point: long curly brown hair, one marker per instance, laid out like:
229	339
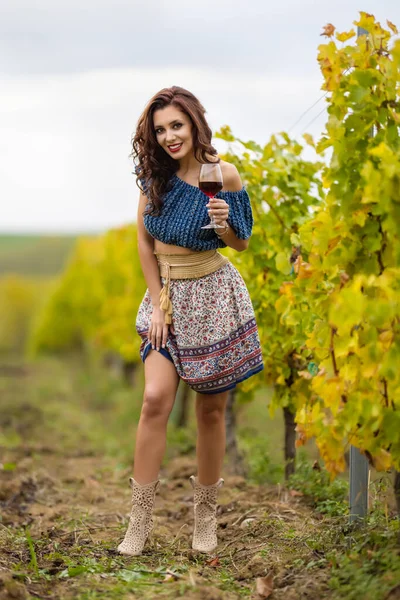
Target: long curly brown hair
154	167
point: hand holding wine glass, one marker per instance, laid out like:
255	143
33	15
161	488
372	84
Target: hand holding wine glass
210	183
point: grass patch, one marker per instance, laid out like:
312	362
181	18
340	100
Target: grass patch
258	457
370	567
328	497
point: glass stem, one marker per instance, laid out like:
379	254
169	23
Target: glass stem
212	220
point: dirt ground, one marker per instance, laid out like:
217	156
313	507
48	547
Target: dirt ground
64	510
77	507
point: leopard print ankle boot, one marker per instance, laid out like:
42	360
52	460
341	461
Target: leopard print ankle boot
141	519
205	519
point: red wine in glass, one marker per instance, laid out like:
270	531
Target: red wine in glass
211	188
210	183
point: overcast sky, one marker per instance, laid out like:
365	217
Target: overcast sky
75	76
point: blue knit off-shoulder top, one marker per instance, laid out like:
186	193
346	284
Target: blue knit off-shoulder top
184	212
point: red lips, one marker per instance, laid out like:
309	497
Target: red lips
173	149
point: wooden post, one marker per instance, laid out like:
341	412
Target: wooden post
359	469
359	482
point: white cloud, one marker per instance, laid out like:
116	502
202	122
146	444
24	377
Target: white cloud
66	140
48	36
75	77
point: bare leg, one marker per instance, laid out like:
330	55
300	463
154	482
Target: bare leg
159	396
211	439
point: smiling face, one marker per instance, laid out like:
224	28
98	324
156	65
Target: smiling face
173	129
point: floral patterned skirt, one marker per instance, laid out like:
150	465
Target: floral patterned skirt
216	343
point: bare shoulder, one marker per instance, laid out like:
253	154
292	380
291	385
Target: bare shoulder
231	177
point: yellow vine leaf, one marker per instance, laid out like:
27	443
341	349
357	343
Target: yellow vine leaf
309	139
303	269
346	35
392	27
382	460
367	22
386	337
286	289
333	243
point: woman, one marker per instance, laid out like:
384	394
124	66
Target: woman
196	319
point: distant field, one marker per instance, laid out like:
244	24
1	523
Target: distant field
34	254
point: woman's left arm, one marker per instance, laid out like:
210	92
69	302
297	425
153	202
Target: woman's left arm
220	209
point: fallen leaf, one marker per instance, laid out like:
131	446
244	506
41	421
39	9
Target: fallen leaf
214	562
329	30
265	586
247	522
171	576
295	493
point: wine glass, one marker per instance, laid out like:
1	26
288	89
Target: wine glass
210	183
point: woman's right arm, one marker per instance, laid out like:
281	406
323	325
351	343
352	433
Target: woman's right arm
158	331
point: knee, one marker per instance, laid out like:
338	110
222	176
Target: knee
210	415
155	404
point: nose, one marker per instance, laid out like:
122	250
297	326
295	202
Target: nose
170	137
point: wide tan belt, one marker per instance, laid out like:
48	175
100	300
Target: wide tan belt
185	266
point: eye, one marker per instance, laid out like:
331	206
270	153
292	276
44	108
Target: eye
178	125
159	130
